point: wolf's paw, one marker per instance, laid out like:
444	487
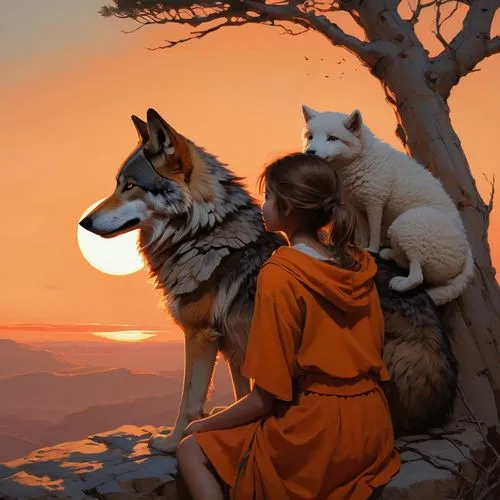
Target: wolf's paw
399	284
165	444
372	250
386	254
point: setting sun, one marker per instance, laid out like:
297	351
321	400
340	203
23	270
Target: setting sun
125	336
116	256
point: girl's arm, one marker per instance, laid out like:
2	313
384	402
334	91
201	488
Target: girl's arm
254	405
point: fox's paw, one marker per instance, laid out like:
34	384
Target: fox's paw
165	444
400	284
386	254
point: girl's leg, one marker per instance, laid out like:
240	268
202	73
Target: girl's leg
194	467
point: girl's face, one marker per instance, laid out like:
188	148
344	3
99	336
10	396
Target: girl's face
270	213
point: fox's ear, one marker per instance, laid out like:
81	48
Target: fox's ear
164	138
308	112
141	127
354	121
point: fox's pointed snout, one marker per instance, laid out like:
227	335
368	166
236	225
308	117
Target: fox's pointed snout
86	223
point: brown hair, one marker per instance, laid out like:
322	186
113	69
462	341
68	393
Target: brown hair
312	188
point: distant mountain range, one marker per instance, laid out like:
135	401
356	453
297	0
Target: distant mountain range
151	356
35	393
16	359
160	410
48	397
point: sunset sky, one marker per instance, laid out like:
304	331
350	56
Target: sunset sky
70	81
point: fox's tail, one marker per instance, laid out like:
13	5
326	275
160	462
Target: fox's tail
446	293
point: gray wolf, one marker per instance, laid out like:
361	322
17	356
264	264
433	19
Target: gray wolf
203	239
401	199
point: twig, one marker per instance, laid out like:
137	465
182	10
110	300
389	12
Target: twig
488	491
485	490
418	9
439	22
200	34
480	428
489	207
434	461
459	449
288	31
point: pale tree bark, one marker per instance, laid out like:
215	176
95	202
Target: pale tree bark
417	87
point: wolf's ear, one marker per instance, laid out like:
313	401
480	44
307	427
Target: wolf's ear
141	127
308	112
159	138
163	137
353	122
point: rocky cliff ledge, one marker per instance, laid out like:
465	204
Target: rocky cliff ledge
118	465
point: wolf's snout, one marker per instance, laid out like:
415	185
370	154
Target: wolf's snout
86	223
311	151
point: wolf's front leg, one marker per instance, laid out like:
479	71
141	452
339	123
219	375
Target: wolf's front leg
374	214
201	348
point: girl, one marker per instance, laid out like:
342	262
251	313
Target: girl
316	424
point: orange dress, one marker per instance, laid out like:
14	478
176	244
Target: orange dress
315	344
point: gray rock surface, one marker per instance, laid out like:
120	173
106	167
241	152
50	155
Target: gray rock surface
118	465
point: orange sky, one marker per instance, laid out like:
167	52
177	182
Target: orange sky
71	80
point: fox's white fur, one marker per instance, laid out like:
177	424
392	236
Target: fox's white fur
402	201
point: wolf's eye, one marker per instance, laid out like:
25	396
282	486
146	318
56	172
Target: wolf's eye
332	138
129	185
309	137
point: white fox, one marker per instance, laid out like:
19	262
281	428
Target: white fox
424	227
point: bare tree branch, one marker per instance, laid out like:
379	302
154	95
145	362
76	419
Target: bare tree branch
489	207
440	22
493	46
239	12
486	486
421	5
276	11
201	34
288	31
368	53
194	21
469	47
323	6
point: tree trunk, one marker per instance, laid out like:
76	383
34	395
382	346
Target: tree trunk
424	126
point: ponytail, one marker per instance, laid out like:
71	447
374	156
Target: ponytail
341	237
312	188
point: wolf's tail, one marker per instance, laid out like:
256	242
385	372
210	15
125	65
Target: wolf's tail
446	293
418	355
424	376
